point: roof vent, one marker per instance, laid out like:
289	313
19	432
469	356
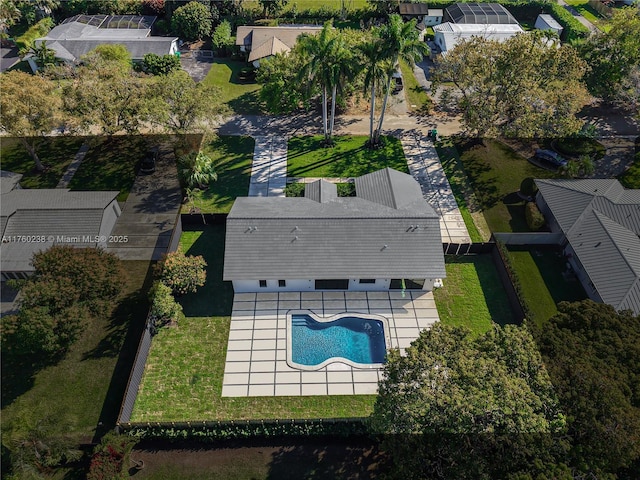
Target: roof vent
384	247
598	244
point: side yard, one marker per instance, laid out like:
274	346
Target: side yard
241	96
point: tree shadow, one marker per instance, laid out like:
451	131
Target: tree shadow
329	459
247	103
18	374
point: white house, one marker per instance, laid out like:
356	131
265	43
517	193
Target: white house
386	237
547	22
425	15
447	35
78	35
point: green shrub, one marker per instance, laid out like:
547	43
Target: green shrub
164	308
160	64
109	459
294	189
631	177
515	281
528	187
182	273
346	189
533	216
192	21
25	41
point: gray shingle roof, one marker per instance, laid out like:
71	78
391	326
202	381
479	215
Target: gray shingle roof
388	187
601	221
53	213
9	181
347	237
321	191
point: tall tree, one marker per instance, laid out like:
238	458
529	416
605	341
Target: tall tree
612	53
192	21
400	41
29	109
272	7
9	15
592	353
179	104
374	74
465	407
524	87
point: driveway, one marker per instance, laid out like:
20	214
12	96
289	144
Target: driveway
197	64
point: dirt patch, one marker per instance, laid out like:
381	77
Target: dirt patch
329	459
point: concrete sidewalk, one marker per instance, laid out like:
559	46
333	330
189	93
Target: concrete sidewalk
269	167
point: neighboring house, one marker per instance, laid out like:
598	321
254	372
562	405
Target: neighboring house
76	36
425	15
34	220
600	220
264	42
479	13
466	20
448	35
372	241
547	22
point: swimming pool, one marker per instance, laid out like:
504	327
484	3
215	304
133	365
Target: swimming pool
357	340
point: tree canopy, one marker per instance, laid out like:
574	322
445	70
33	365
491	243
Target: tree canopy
462	407
592	354
524	87
192	21
29	109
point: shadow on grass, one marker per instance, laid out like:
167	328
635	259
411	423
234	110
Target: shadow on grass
247	103
215	298
484	185
18	374
125	329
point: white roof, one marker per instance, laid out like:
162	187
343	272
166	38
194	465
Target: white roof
452	33
549	21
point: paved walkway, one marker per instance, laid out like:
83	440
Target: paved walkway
73	166
577	16
424	165
269	167
150	212
256	363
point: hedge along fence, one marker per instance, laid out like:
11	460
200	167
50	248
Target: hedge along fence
210	431
25	41
503	255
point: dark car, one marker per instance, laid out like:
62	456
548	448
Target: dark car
551	157
148	164
397	82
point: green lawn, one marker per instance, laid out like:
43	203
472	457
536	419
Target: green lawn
111	164
232	156
584	9
87	386
495	172
56	152
472	295
183	375
348	158
543	286
335	5
241	97
459	184
415	94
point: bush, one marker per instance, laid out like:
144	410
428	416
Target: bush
528	187
160	64
221	38
164	308
108	460
192	21
182	273
346	189
535	219
25	41
294	189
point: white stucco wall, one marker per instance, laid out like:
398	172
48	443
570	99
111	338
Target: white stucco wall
302	285
109	218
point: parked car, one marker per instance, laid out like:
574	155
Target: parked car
551	157
397	82
148	163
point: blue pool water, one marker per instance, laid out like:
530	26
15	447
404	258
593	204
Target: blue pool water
360	340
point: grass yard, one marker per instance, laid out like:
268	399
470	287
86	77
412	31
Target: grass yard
112	164
57	152
415	94
68	399
587	11
461	190
241	97
335	5
540	273
348	158
495	172
472	295
183	375
232	156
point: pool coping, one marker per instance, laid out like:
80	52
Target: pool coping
333	318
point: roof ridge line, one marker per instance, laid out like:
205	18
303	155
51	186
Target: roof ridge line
626	295
598	213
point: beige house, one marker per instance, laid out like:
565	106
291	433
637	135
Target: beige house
264	42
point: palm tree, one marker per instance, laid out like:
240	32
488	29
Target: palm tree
373	73
400	41
197	170
317	48
341	67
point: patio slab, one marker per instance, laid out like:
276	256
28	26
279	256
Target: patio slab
256	353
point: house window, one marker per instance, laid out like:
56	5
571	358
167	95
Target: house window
332	284
367	280
263	283
282	283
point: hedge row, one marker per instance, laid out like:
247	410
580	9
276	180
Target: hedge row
515	281
207	431
40	29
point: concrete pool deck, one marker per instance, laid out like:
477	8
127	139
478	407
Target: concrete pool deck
256	363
